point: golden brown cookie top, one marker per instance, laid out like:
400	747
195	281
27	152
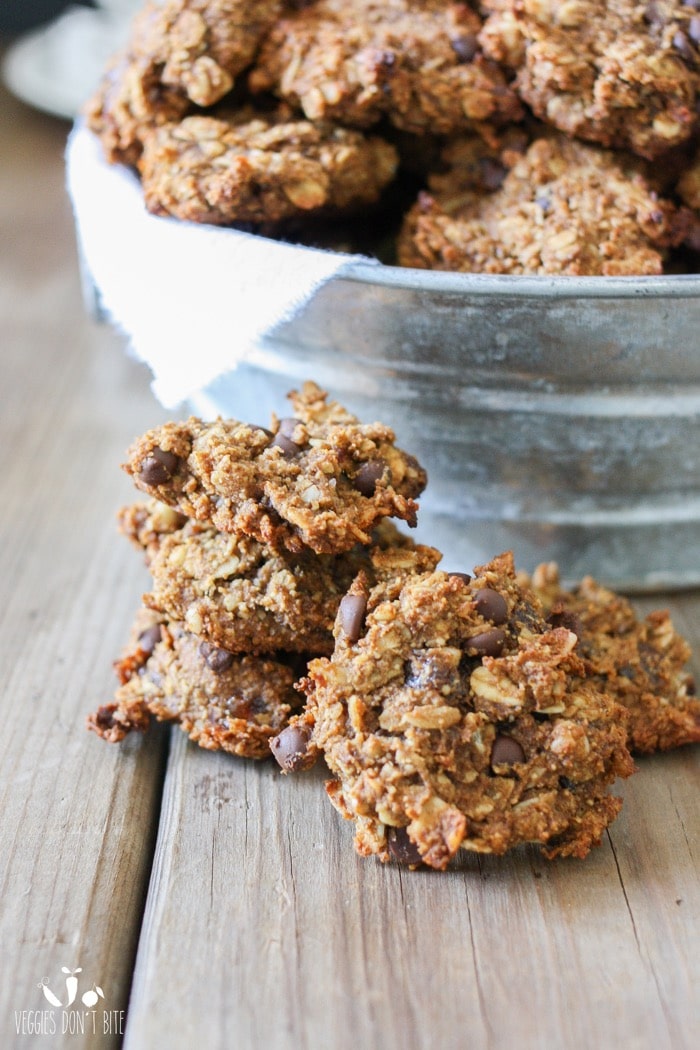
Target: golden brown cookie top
355	61
261	169
618	72
564	207
181	55
640	661
308	482
453	715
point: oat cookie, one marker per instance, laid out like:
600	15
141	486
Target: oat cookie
241	595
563	208
640	662
416	62
222	701
476	163
452	715
181	54
618	72
319	479
264	169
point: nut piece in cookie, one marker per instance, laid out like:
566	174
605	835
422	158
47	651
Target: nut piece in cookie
416	62
318	479
641	662
244	596
181	54
453	715
562	208
222	701
618	72
261	169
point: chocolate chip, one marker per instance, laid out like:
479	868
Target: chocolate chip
217	660
653	14
683	47
288	425
460	576
491	605
158	467
365	481
289	448
488	643
352	615
401	847
690	687
569	620
149	638
291	748
263	430
566	784
432	669
506	751
492	173
104	716
465	46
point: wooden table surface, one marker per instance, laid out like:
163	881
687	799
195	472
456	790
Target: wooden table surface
214	904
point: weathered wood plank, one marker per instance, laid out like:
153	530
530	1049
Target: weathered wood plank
264	929
78	817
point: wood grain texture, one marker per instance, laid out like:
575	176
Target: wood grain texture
263	928
78	817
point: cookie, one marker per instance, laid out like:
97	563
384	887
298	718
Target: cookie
453	716
356	61
181	54
640	662
476	163
241	595
319	479
261	170
617	72
563	208
222	701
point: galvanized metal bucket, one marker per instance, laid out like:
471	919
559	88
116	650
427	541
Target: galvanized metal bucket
559	417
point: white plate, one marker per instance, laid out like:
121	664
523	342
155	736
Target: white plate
56	68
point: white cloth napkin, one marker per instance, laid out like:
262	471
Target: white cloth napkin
193	300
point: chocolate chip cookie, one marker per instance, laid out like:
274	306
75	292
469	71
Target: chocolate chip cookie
618	72
241	595
417	63
452	715
264	169
317	479
640	662
182	54
221	700
563	208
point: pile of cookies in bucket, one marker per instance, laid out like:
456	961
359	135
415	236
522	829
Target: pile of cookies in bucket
290	616
499	136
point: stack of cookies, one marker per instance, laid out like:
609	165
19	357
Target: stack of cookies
454	711
517	136
252	537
